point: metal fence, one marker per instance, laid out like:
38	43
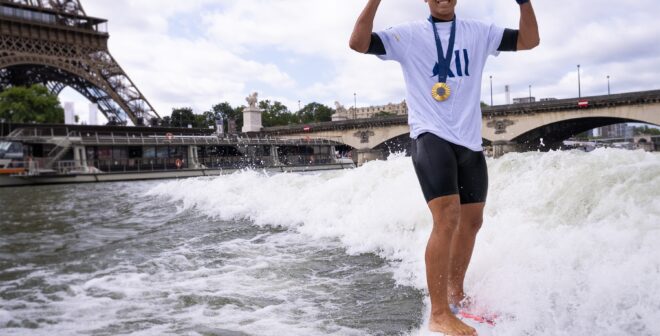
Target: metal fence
67	167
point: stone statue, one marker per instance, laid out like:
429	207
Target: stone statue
341	110
252	100
341	113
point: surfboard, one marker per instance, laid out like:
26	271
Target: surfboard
480	318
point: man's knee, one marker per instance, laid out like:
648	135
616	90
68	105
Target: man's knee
472	217
472	224
446	213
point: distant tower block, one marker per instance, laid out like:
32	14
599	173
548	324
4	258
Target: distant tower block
93	115
54	43
507	94
252	115
69	113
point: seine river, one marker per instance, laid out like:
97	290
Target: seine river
569	247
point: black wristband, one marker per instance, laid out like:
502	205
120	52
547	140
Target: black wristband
522	2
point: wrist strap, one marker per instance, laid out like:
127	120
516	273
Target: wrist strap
522	2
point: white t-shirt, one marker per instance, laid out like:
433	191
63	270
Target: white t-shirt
457	119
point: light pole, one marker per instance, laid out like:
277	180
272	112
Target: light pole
491	90
530	93
579	84
608	85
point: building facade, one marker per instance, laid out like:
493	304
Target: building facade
370	111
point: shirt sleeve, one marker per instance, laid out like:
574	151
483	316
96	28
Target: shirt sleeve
397	41
495	35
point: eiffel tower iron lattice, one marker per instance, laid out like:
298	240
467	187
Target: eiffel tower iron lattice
55	43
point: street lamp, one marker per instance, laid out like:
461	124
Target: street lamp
491	90
608	85
579	84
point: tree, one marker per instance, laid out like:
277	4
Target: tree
224	110
204	120
182	117
315	112
238	121
166	122
646	130
230	116
20	104
276	114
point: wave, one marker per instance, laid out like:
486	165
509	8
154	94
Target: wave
569	243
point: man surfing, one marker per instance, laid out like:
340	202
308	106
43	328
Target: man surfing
442	59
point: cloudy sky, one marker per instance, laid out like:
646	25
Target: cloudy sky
201	52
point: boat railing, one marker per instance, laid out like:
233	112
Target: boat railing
114	139
20	168
138	165
64	134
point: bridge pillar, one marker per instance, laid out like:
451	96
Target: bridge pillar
366	155
502	147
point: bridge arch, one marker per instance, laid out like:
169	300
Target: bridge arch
551	136
57	75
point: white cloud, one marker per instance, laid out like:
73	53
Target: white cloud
225	61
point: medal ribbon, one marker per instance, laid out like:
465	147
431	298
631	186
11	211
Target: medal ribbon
444	62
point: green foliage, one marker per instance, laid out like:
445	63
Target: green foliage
182	117
276	114
483	104
238	113
228	114
224	110
315	112
30	104
166	121
645	130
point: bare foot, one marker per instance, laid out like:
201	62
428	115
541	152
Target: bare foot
449	325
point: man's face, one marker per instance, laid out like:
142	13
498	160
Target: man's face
442	9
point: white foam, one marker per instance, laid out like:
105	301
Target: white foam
569	244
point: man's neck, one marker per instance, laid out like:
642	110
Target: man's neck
445	19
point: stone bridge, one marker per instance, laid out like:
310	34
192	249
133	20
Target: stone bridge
506	128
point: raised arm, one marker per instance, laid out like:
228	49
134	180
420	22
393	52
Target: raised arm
361	37
528	35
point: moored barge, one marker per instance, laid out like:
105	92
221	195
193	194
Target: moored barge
55	154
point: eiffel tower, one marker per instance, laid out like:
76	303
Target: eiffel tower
55	43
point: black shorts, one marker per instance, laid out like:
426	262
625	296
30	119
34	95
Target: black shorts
445	169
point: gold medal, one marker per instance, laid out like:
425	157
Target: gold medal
441	92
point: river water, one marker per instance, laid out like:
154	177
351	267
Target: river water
570	246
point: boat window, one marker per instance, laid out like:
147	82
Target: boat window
119	153
175	151
4	146
91	153
105	153
149	152
162	152
134	152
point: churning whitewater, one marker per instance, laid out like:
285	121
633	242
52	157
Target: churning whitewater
569	247
569	244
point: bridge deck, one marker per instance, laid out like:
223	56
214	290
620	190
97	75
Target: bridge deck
644	97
